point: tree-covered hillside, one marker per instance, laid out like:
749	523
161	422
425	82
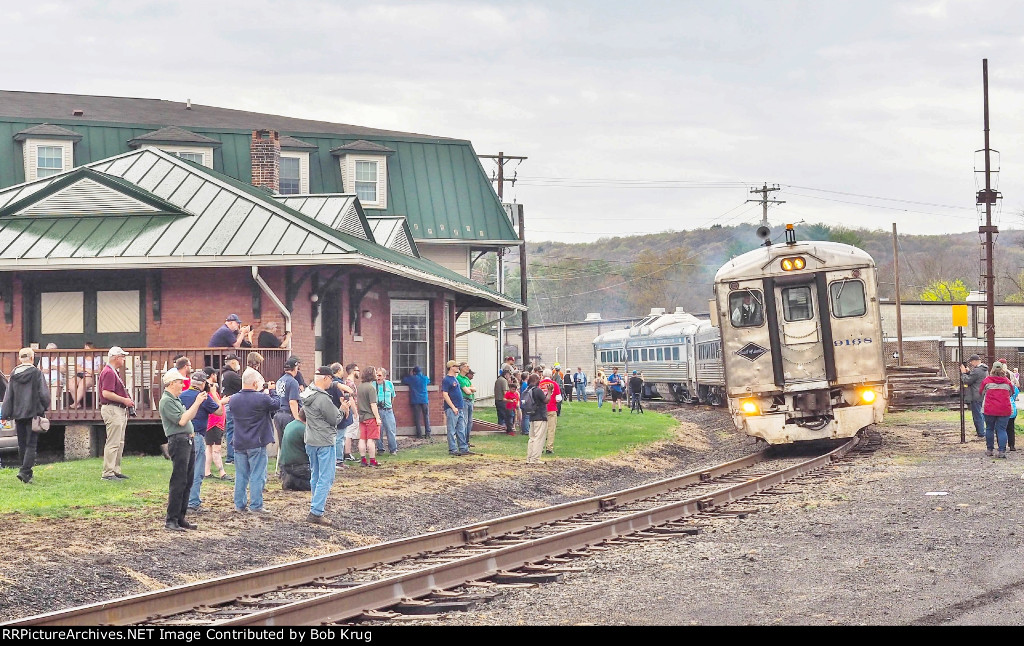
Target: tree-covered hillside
626	276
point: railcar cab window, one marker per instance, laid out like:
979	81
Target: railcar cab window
796	303
847	298
747	308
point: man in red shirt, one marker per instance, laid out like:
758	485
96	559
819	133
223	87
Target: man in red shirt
114	405
554	391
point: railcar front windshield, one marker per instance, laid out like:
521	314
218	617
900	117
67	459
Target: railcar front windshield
746	307
847	298
796	303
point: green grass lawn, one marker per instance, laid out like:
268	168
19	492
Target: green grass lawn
583	431
75	488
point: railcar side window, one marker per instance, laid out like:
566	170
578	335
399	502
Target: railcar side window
746	308
661	354
675	353
847	298
796	303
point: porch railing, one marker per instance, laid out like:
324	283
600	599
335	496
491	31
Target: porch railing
72	374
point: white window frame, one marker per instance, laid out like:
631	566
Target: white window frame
348	177
395	376
205	151
31	155
303	169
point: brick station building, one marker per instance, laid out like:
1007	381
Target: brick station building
152	248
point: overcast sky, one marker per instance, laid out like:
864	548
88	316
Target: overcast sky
636	117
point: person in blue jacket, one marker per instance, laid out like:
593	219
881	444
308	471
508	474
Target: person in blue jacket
418	399
1011	431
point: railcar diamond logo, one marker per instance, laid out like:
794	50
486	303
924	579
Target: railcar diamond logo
751	352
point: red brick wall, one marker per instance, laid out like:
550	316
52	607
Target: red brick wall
265	149
196	301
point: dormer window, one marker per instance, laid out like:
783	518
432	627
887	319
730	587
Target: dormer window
48	150
49	160
366	181
294	167
179	142
364	172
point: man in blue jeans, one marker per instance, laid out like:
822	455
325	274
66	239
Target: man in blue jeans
418	399
199	384
252	409
322	419
972	378
230	384
451	393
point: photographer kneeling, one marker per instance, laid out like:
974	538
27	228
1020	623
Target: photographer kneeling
295	471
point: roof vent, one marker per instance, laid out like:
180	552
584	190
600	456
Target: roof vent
680	310
657	311
593	316
188	104
78	112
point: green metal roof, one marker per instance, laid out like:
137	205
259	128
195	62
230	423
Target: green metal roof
438	184
195	217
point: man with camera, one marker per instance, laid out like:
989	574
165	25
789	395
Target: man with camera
972	374
252	409
232	334
200	385
115	405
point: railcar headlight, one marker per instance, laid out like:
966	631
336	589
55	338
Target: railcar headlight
867	396
749	407
794	263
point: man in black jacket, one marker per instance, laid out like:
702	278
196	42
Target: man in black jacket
230	384
27	397
972	379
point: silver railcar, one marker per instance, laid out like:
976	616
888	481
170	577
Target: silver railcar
801	340
664	348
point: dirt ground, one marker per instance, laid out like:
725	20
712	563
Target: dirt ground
49	564
865	546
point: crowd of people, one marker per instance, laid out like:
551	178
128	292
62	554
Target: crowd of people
232	414
992	396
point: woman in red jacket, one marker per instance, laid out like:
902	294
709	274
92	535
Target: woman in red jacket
996	391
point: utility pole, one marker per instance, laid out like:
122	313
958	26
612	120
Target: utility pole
899	314
988	197
764	191
502	159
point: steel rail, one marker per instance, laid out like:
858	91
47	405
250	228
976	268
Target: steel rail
149	605
355	601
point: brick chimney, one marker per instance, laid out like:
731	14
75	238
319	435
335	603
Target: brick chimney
265	151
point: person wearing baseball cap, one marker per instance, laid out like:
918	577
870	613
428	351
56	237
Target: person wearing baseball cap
114	405
177	423
972	375
451	393
322	419
289	392
232	334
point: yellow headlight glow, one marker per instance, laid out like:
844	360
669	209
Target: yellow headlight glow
796	262
749	407
867	396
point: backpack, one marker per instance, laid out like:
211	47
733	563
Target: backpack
528	403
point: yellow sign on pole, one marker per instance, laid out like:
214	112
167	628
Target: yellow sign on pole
959	316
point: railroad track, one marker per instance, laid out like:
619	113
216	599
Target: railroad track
358	582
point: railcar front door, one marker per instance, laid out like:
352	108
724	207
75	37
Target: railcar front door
801	350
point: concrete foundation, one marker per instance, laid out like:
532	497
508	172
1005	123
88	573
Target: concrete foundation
79	441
